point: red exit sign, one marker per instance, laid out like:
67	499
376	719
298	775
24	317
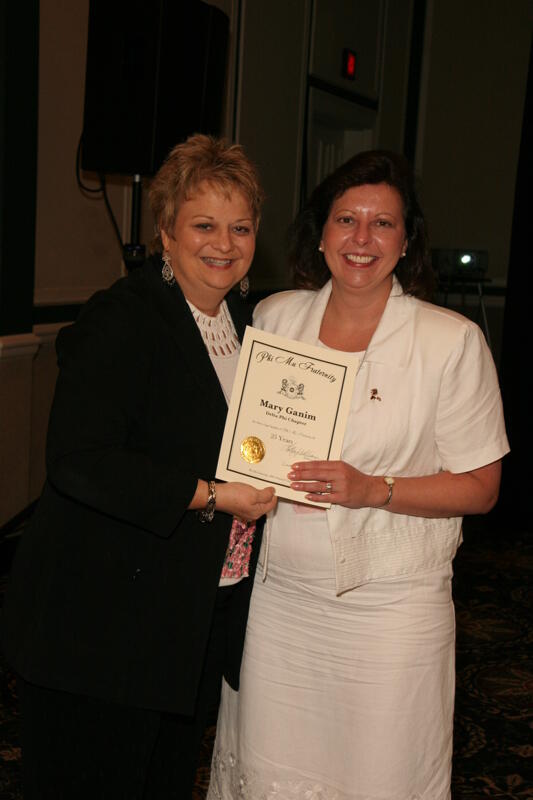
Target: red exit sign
349	62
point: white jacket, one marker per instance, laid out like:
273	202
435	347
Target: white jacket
437	407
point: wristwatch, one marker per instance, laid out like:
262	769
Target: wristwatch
390	483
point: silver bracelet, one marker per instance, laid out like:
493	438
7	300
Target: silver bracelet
207	514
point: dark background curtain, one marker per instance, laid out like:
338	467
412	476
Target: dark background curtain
517	352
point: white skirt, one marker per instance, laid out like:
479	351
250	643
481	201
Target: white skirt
341	698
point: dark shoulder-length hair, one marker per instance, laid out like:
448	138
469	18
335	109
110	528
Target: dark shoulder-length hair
309	267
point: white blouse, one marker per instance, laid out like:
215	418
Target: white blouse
222	343
223	346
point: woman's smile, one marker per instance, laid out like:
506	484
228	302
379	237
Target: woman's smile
217	263
358	260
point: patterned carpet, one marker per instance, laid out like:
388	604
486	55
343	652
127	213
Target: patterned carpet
494	699
494	708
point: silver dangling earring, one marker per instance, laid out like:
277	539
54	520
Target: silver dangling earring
166	273
244	287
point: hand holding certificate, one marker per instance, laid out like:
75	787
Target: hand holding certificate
290	402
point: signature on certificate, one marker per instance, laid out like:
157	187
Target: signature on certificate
301	452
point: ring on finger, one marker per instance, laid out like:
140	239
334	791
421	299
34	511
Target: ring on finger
329	487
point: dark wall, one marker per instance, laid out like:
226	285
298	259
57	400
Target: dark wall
19	53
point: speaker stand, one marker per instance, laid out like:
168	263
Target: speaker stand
134	253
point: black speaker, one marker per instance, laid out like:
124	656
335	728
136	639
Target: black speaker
155	74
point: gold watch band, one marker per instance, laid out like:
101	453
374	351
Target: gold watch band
390	483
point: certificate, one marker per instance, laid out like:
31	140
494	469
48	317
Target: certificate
290	402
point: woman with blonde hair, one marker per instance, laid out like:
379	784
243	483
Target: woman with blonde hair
130	588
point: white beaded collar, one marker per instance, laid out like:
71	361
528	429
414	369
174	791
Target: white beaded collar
218	333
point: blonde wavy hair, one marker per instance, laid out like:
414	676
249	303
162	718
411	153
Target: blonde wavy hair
223	165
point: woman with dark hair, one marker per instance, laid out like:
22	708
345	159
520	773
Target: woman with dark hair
347	681
130	587
310	268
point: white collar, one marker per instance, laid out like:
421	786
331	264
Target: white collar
218	333
386	346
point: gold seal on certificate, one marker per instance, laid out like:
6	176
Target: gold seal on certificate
290	402
252	449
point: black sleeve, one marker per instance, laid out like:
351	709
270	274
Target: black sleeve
94	454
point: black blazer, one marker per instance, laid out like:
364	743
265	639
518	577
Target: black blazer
114	581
